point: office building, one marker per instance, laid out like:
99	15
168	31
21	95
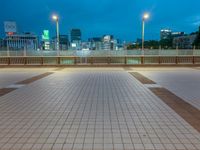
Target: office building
23	41
95	43
184	42
63	42
85	45
107	42
1	43
75	35
165	34
177	34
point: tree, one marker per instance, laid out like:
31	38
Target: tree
197	40
132	46
152	44
166	43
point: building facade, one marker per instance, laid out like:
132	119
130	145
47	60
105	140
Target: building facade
26	41
63	42
95	43
184	42
165	34
75	36
107	42
1	44
177	34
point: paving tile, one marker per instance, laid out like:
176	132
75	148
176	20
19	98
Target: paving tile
97	110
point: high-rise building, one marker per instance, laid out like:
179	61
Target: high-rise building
64	42
165	34
75	35
75	39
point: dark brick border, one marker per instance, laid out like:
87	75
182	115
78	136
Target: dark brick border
5	91
33	79
188	112
141	78
184	109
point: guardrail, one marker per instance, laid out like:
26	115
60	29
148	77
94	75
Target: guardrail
132	57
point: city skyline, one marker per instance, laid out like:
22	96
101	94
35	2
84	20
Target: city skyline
123	20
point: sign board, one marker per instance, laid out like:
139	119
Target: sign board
10	27
46	45
45	35
74	45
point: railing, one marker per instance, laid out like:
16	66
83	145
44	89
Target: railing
123	57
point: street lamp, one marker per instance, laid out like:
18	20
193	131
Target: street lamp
55	17
145	17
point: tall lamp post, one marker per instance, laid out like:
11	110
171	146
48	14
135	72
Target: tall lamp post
55	17
144	18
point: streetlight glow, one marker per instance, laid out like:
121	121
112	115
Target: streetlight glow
146	16
55	17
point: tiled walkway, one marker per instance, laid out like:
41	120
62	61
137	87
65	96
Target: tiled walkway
182	81
9	76
91	110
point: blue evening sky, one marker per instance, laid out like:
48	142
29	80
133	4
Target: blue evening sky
122	18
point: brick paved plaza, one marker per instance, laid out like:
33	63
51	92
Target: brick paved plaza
98	109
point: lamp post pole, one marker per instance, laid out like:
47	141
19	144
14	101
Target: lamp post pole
57	34
143	29
145	17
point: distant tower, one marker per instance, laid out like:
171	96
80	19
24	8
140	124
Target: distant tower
76	39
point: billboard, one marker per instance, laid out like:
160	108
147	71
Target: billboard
45	35
10	27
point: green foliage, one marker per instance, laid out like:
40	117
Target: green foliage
152	44
133	46
197	40
166	43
